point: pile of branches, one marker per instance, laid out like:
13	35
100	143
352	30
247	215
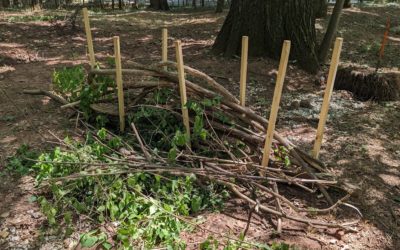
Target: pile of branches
236	168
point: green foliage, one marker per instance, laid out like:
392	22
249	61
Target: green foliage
71	82
145	206
7	118
371	48
93	238
282	154
110	61
20	163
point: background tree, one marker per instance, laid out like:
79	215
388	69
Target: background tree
347	4
159	4
220	6
331	31
268	23
5	3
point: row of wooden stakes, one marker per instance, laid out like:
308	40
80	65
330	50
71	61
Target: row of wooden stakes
243	81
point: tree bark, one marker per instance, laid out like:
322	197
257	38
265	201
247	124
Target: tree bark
347	4
159	5
120	4
268	23
321	8
331	31
220	6
6	3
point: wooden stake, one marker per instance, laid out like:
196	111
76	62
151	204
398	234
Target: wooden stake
243	70
327	97
165	46
89	37
182	87
118	79
275	102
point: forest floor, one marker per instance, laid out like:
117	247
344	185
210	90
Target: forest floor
361	143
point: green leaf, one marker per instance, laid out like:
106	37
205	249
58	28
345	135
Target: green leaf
107	245
32	199
179	139
101	208
196	203
88	240
153	209
173	152
102	133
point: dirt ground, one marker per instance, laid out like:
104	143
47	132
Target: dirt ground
361	144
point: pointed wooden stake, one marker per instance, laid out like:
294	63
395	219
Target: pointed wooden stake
243	70
165	46
182	87
118	79
275	102
327	97
89	37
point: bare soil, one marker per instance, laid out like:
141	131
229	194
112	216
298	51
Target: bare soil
361	143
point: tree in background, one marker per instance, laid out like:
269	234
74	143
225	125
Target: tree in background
220	6
321	8
269	22
159	4
331	31
5	3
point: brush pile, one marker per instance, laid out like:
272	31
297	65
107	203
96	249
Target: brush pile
226	142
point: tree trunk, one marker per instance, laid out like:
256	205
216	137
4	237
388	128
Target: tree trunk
268	23
347	4
321	8
220	6
194	4
6	3
159	5
331	31
112	4
120	4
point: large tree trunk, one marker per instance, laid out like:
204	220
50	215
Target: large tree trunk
220	6
159	4
321	8
331	31
268	23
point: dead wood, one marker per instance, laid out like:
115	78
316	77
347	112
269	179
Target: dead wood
238	172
